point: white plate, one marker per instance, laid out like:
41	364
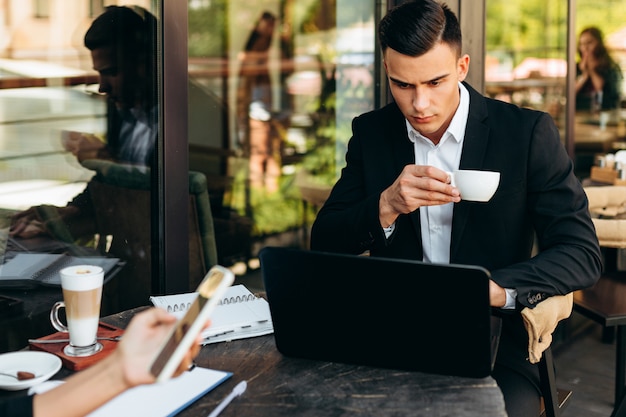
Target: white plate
43	365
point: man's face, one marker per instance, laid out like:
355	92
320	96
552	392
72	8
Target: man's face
426	87
117	79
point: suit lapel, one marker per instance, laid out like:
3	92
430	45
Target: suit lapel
403	153
472	157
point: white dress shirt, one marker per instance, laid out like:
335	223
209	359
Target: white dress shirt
436	221
137	135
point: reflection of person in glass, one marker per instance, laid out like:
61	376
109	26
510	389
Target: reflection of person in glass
122	42
254	102
599	76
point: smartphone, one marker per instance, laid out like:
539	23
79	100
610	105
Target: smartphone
184	333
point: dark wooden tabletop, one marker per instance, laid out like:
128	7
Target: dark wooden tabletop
283	386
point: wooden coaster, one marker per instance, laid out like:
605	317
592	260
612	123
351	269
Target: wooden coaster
78	363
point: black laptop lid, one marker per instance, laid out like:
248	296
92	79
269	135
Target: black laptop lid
390	313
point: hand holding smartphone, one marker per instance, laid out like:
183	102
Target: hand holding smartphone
186	330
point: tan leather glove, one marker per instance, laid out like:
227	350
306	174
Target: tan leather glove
541	321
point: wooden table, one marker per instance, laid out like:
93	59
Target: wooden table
589	137
282	386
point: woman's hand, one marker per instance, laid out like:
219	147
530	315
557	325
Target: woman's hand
141	343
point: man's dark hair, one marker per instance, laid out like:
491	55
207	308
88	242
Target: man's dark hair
415	27
130	30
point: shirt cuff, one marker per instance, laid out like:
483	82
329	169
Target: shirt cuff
389	230
511	295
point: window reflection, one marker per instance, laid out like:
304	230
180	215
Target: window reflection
256	125
280	81
525	63
267	128
79	128
527	68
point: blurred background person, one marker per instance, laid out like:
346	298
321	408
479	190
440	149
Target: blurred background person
599	77
254	106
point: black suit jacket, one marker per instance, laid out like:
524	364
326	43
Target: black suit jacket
538	193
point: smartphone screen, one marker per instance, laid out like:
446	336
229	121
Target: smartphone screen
184	333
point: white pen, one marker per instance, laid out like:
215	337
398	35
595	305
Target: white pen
239	389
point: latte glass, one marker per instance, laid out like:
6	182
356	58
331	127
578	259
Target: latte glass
82	294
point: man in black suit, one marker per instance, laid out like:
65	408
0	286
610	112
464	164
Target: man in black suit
394	197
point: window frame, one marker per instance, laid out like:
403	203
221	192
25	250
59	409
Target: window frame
170	234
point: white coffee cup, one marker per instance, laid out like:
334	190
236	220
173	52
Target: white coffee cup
82	295
475	185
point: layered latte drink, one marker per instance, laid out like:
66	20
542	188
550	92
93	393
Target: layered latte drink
82	294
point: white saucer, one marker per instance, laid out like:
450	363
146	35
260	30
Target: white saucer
43	365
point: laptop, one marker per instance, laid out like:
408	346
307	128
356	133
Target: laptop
390	313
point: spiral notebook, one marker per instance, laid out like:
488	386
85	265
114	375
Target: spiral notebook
29	270
240	314
389	313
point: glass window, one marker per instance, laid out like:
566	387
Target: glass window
600	87
526	63
273	87
78	128
526	54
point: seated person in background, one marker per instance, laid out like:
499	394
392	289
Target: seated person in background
394	197
127	366
123	45
599	77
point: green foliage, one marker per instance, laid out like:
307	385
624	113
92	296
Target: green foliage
276	212
608	15
313	21
270	212
538	28
206	27
529	28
